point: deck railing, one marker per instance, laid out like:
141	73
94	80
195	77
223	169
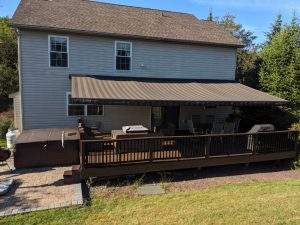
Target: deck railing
102	153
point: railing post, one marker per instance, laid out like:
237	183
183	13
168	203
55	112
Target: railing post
296	139
119	152
82	151
207	146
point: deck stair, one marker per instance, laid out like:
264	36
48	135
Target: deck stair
72	176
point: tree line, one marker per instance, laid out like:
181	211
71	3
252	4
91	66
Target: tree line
273	66
8	63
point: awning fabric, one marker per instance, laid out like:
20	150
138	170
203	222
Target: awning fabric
152	91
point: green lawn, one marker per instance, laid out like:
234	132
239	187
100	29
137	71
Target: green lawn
249	203
2	143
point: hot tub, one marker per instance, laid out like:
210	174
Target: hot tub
47	147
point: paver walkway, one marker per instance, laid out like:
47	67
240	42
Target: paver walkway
37	189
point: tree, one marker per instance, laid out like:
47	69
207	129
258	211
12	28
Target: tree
210	16
228	23
280	69
275	28
8	62
247	68
247	58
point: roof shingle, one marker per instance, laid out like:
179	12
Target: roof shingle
110	19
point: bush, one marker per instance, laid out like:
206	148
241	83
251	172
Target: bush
296	126
5	124
296	162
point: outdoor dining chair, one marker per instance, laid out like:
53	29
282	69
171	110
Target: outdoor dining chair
217	128
229	128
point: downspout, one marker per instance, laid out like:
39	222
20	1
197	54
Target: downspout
20	80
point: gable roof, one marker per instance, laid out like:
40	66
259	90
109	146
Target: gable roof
117	20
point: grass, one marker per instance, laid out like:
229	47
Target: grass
2	143
248	203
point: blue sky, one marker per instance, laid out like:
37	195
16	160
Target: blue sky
255	15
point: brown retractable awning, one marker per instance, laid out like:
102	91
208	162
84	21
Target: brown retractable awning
151	91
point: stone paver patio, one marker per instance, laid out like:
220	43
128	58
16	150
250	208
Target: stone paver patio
37	189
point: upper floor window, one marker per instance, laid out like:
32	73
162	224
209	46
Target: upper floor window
123	55
59	51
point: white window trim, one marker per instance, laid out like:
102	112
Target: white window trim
115	60
67	98
49	51
85	107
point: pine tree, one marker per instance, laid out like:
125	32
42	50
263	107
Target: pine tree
280	68
210	16
275	28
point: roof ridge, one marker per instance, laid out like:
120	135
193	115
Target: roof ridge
102	18
139	7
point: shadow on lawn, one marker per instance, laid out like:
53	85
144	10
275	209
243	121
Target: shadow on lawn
193	174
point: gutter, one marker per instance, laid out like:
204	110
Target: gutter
95	33
20	79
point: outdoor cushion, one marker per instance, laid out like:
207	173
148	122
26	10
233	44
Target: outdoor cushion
5	186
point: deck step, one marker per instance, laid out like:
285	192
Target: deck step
76	167
71	177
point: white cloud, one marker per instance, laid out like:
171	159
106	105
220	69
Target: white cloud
278	5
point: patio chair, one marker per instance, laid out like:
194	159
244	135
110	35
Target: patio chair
229	127
93	132
217	128
4	156
195	125
237	124
233	119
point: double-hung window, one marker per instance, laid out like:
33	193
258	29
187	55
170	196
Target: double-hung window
75	109
123	55
79	109
58	51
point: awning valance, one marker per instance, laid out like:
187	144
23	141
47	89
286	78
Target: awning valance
147	91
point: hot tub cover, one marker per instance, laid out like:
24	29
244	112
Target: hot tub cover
48	134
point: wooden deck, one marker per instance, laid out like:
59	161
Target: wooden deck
140	155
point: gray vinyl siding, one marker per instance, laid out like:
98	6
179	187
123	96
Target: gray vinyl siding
44	88
117	116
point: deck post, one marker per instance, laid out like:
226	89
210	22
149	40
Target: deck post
296	140
82	151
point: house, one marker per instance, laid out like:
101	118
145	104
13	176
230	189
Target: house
118	65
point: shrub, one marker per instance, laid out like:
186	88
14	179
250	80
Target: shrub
296	162
5	124
296	126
